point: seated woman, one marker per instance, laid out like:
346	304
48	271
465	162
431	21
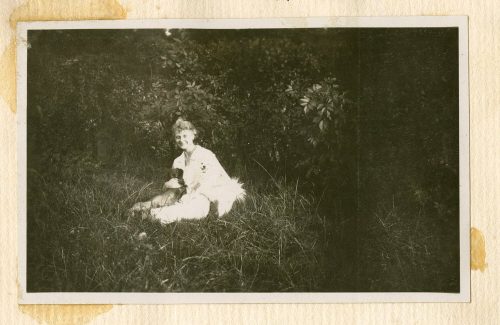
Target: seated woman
205	179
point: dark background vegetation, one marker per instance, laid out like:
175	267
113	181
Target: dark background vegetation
346	140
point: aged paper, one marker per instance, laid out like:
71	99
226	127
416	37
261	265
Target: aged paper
484	119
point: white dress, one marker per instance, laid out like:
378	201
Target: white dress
206	181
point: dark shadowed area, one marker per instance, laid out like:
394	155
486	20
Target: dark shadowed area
346	141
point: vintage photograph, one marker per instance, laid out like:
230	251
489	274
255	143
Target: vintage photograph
204	159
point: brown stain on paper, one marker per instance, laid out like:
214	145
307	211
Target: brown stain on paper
477	250
46	10
8	74
64	314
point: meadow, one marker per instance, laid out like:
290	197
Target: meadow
273	241
81	239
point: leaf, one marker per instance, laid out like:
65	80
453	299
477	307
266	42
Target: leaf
304	101
313	141
323	125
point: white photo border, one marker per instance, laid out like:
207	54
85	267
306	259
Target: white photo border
461	22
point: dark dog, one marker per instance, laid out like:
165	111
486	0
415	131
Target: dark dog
174	188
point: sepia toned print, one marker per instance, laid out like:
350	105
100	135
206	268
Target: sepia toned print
339	148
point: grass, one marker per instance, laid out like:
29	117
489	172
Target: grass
413	248
81	239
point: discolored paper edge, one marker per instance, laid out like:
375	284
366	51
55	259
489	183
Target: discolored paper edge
459	22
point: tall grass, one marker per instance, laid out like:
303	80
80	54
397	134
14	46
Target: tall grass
414	249
81	239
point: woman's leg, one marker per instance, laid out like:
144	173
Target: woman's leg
191	206
169	197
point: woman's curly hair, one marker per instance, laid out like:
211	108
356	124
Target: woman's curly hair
181	125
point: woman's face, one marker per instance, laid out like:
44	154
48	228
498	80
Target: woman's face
184	139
